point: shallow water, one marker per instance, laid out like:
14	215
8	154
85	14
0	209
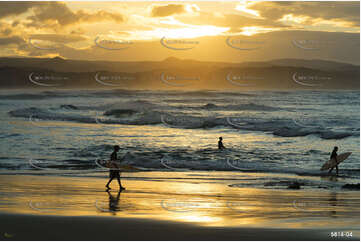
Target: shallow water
265	132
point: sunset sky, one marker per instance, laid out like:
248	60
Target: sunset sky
68	29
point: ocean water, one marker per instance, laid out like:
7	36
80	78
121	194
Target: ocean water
265	132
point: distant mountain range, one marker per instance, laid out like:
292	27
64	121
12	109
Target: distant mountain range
174	73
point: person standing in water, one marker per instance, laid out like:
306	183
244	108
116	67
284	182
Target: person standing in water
114	171
334	156
220	144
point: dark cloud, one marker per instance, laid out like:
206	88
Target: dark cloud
339	11
12	40
15	8
167	10
57	14
54	14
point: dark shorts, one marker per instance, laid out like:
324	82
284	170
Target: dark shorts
114	174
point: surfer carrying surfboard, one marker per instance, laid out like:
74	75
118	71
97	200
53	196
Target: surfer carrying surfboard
334	156
335	160
114	171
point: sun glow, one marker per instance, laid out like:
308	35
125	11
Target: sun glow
180	33
249	31
290	18
243	7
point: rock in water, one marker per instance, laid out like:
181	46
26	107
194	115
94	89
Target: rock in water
352	186
294	185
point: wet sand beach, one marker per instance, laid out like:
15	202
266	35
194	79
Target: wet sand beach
79	208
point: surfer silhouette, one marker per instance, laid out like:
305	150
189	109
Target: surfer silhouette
114	171
334	156
220	144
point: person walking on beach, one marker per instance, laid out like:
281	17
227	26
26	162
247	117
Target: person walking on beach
220	144
334	155
114	171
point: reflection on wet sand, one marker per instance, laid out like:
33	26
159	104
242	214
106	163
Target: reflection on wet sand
113	204
114	201
206	204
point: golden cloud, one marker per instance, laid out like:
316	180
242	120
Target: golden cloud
168	10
